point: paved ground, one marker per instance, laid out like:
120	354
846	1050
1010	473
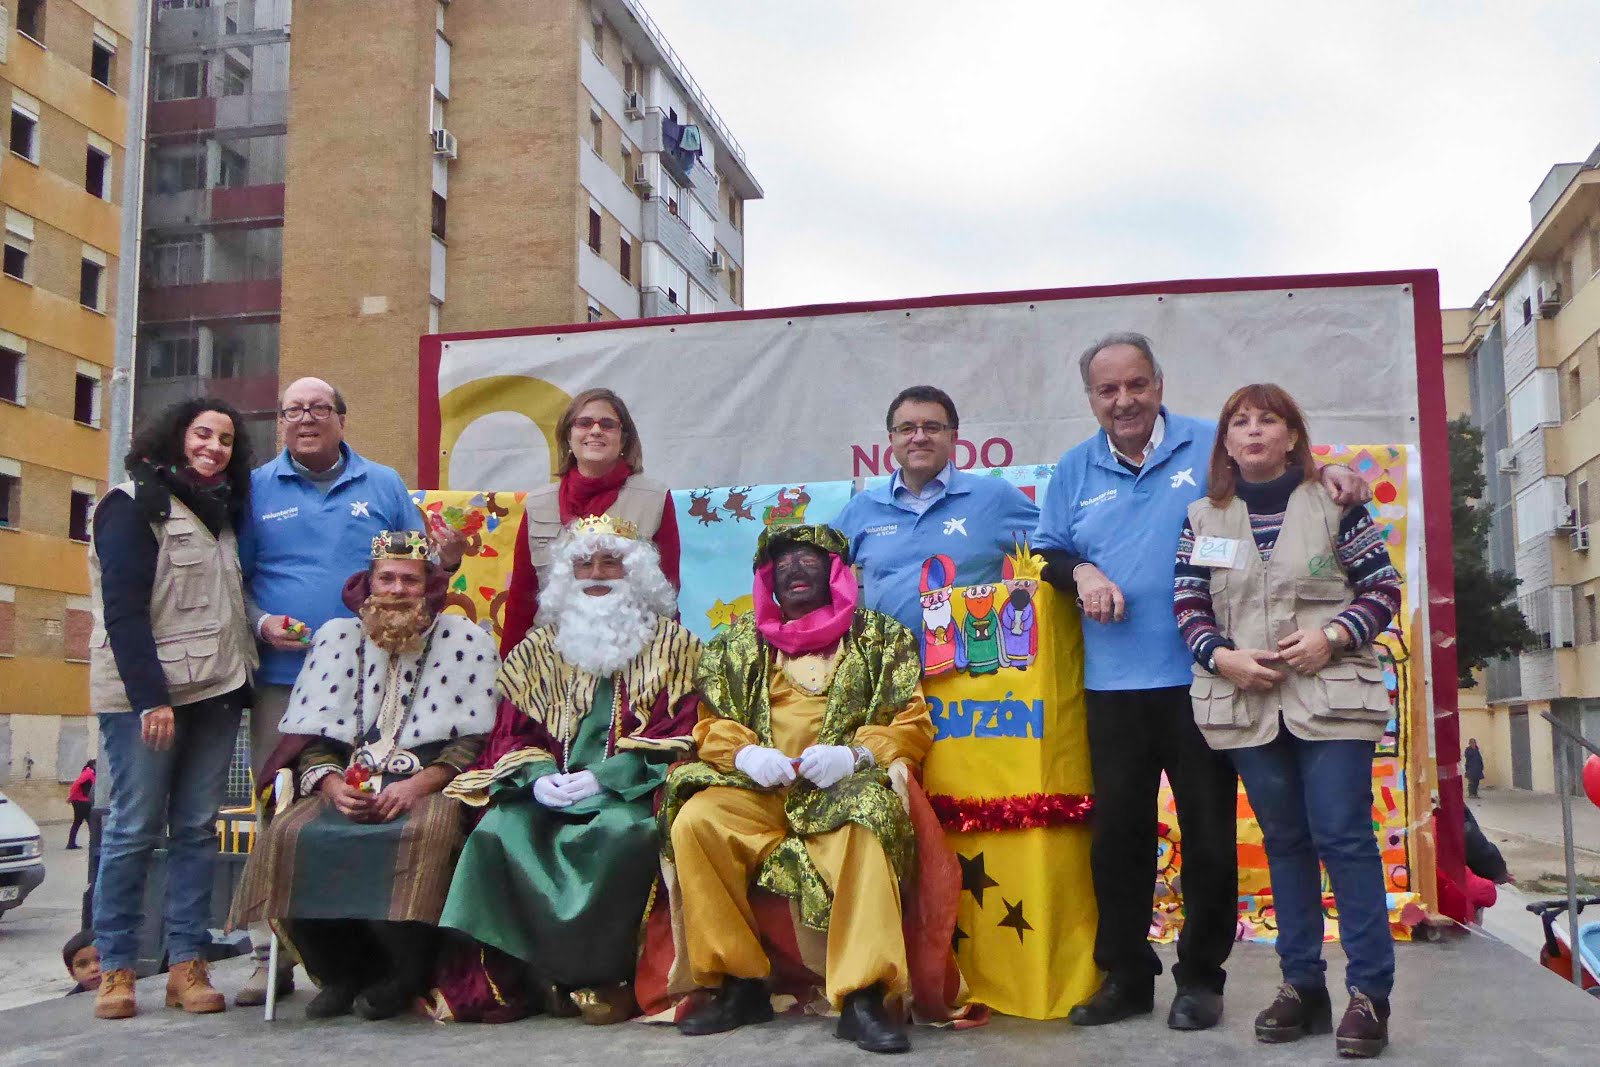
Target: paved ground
1461	1002
31	936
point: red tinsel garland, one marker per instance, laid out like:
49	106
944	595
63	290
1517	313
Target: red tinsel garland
1029	812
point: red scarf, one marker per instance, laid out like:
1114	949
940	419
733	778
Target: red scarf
816	631
580	496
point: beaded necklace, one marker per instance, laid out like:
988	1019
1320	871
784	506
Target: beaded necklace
406	704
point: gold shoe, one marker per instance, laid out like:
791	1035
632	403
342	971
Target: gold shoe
189	987
607	1004
114	999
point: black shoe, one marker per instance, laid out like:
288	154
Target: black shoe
740	1002
1195	1008
334	999
1113	1002
1293	1014
1364	1031
382	1001
71	847
864	1020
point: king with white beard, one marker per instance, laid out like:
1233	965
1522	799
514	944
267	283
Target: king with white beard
598	702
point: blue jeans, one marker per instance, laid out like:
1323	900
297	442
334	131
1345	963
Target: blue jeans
1313	800
177	792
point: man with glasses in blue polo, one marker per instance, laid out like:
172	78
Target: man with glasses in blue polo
932	526
314	510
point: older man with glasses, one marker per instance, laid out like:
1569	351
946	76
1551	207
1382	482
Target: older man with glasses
932	526
314	510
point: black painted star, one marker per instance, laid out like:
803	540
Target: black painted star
1014	918
956	939
974	879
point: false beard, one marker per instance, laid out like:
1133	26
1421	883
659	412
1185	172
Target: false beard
600	635
395	623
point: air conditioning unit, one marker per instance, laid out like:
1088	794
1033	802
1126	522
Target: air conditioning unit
642	179
635	106
445	144
717	261
1549	298
1505	461
1566	518
1579	539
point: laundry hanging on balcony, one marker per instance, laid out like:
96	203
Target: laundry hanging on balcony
682	145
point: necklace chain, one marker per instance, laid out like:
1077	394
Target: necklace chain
361	691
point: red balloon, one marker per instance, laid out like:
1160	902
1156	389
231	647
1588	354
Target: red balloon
1591	779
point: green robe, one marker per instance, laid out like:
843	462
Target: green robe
562	889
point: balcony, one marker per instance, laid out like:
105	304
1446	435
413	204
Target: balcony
252	394
653	304
248	115
201	301
244	206
221	25
672	233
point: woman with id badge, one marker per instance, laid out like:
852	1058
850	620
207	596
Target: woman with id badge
1279	596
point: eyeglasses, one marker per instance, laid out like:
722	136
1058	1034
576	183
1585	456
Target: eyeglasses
318	413
584	422
932	429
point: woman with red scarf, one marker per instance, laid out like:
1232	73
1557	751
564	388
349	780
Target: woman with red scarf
601	462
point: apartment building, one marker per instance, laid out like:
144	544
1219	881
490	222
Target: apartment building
211	233
64	82
469	166
1528	356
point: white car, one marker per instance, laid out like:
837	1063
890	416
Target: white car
21	855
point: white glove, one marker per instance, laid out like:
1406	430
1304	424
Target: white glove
581	785
766	766
827	764
549	792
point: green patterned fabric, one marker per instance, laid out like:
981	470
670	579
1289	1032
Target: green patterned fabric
826	538
877	672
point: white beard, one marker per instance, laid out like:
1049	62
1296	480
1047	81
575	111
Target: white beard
935	618
600	635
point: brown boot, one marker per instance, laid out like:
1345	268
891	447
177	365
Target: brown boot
189	987
114	999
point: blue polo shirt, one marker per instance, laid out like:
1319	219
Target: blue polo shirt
301	545
1128	525
976	521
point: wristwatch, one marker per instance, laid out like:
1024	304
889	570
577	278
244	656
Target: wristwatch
1337	637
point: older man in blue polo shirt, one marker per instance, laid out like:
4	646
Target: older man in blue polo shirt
930	511
1110	527
314	511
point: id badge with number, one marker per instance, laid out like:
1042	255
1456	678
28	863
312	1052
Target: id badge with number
1220	552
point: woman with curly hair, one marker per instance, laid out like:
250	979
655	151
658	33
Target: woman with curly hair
170	659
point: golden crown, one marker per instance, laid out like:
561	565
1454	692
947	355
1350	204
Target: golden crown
403	544
1023	564
604	526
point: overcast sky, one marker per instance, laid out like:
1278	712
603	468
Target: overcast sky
910	147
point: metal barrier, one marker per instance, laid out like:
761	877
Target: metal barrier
1568	740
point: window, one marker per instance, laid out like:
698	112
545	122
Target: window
1539	507
1581	498
596	134
173	357
629	74
19	243
78	516
30	19
182	80
180	171
24	132
595	314
11	371
235	77
176	260
733	286
97	173
100	56
627	164
233	169
439	204
594	229
1574	391
90	277
10	493
672	297
1593	617
86	399
1534	403
625	257
1527	310
599	39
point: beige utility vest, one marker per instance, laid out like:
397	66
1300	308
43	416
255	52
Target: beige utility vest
640	501
1257	603
196	613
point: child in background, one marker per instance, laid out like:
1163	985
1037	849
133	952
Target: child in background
83	962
